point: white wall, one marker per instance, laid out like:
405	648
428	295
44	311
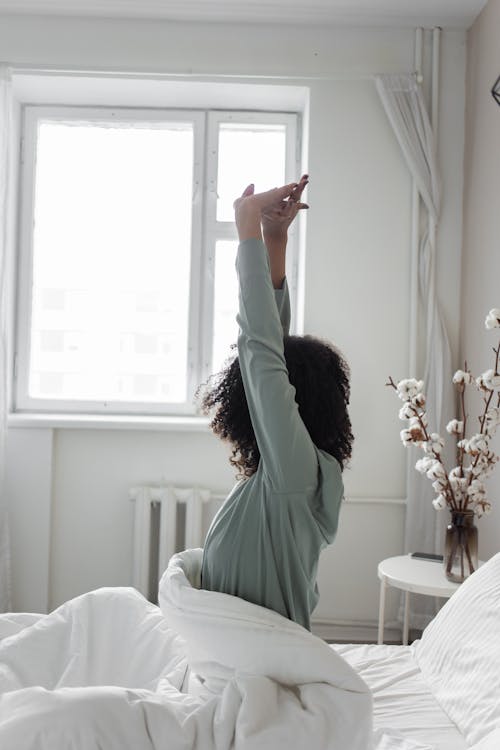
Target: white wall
356	289
481	255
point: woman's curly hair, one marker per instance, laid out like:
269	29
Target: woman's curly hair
320	376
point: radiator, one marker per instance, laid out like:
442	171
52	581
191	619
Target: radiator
167	520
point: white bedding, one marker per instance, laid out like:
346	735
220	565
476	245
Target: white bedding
108	670
402	699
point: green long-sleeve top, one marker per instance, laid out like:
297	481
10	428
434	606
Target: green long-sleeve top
264	543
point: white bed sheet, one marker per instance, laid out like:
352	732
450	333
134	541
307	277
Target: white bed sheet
402	700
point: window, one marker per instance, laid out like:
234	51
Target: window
127	286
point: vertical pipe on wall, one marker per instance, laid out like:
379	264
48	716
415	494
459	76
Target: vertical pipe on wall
434	117
415	237
436	39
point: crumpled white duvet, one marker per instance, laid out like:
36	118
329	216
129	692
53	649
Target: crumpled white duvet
109	670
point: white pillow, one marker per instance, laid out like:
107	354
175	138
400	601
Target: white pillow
491	742
459	654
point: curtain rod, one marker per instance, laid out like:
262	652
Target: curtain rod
30	69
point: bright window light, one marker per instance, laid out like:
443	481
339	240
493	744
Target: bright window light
111	261
249	152
225	303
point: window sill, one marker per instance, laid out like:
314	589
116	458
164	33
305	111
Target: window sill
108	422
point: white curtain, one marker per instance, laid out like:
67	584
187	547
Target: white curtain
5	155
404	104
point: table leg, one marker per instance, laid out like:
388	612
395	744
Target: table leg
406	618
381	611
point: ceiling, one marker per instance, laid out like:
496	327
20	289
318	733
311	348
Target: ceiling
458	14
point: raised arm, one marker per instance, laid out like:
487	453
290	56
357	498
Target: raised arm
287	452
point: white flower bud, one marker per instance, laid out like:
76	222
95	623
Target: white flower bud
437	442
406	437
408	388
439	485
424	464
455	427
477	444
491	380
406	411
418	400
436	471
458	484
476	489
462	378
488	381
439	502
493	319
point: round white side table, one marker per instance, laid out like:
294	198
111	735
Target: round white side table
411	575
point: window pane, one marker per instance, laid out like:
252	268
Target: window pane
248	153
225	303
111	259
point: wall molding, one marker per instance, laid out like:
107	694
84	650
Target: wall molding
375	500
388	14
355	631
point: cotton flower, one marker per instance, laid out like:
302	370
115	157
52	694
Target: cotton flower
493	319
439	485
406	437
435	443
436	471
491	379
414	433
415	427
455	427
418	400
488	381
462	378
491	421
458	484
408	388
484	464
487	463
439	502
424	464
476	489
476	444
406	411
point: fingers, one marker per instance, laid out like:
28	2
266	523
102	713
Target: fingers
289	195
249	190
302	184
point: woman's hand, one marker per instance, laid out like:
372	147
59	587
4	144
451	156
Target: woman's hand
250	207
277	219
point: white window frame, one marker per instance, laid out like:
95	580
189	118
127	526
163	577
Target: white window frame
206	230
226	230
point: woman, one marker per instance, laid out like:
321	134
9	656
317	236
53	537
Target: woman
282	404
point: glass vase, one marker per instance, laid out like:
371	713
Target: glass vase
460	551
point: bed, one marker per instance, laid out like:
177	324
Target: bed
110	671
444	690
